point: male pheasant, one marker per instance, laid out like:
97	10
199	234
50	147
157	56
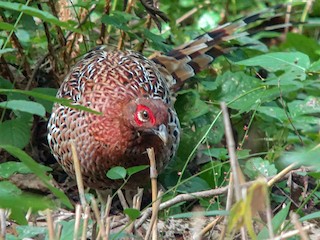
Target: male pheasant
134	95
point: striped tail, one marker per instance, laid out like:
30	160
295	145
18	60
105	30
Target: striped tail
188	59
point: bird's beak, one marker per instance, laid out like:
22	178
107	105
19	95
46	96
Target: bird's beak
162	133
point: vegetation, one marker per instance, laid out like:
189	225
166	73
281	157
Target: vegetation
270	84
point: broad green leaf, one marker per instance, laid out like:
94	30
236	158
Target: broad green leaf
4	83
23	36
242	90
256	167
31	231
315	67
6	26
309	105
190	106
24	106
118	19
156	41
303	156
277	221
311	216
274	112
193	185
136	169
301	43
116	173
9	168
43	15
19	203
38	170
68	229
132	213
215	173
294	64
8	188
219	153
16	132
243	154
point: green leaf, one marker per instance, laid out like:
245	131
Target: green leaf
190	106
68	229
219	153
9	168
256	167
47	91
19	203
4	83
116	173
315	67
274	112
302	44
136	169
208	20
31	231
294	64
62	101
118	20
193	185
216	176
43	15
310	216
24	106
304	156
245	89
157	41
6	50
309	105
277	221
38	170
132	213
6	26
15	132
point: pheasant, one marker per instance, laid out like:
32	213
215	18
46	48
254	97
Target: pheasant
134	95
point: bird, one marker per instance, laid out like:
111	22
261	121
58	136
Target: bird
135	96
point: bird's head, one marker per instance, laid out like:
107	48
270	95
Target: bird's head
148	116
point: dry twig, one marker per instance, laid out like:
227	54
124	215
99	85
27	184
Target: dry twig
77	222
50	225
154	188
86	217
228	207
78	174
2	224
295	220
102	231
237	174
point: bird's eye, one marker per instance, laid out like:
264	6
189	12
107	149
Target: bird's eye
143	116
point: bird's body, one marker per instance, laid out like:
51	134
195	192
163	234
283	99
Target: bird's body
133	94
120	85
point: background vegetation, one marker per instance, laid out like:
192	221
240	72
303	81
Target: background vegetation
271	85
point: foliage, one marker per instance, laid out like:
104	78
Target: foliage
272	91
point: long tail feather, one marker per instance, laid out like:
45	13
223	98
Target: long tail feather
188	59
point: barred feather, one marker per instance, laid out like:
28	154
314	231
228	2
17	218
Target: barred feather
185	61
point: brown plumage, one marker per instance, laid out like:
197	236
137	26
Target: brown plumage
133	94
